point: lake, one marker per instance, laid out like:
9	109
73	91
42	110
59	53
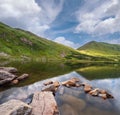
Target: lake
71	101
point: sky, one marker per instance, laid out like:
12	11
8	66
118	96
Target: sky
69	22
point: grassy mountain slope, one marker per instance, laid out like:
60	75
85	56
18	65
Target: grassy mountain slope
101	49
20	43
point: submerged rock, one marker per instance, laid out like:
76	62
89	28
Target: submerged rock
15	107
74	102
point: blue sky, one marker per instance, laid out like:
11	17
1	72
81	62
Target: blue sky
69	22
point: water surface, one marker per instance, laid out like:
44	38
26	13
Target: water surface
71	101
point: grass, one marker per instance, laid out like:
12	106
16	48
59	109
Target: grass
22	44
101	49
17	44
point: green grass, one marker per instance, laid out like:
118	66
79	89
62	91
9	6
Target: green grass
101	49
18	43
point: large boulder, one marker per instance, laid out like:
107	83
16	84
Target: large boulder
15	107
44	103
9	69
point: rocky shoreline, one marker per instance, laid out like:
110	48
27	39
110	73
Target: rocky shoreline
43	102
8	75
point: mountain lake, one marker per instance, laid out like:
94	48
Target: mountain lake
71	101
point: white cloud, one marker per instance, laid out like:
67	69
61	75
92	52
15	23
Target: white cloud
64	41
27	14
113	41
17	9
99	17
50	9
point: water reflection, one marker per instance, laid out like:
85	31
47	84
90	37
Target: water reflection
112	85
73	101
23	92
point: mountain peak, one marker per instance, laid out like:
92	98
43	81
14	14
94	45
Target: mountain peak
100	49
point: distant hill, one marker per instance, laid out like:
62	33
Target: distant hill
17	43
101	49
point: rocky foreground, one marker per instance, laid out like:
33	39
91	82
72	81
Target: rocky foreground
43	102
8	75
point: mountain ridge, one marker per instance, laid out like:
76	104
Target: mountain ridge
21	44
101	49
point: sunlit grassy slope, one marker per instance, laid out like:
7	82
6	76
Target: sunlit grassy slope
23	44
101	49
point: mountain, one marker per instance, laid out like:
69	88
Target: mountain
101	49
21	44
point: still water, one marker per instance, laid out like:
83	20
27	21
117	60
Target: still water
71	101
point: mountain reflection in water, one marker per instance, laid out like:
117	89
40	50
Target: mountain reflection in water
73	101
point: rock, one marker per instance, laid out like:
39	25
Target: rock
9	69
2	82
5	75
105	95
48	83
87	87
44	103
56	84
102	91
51	88
75	79
15	82
94	92
70	83
15	107
23	76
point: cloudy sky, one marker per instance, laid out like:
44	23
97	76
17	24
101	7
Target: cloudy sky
70	22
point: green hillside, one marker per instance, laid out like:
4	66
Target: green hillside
101	49
21	44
